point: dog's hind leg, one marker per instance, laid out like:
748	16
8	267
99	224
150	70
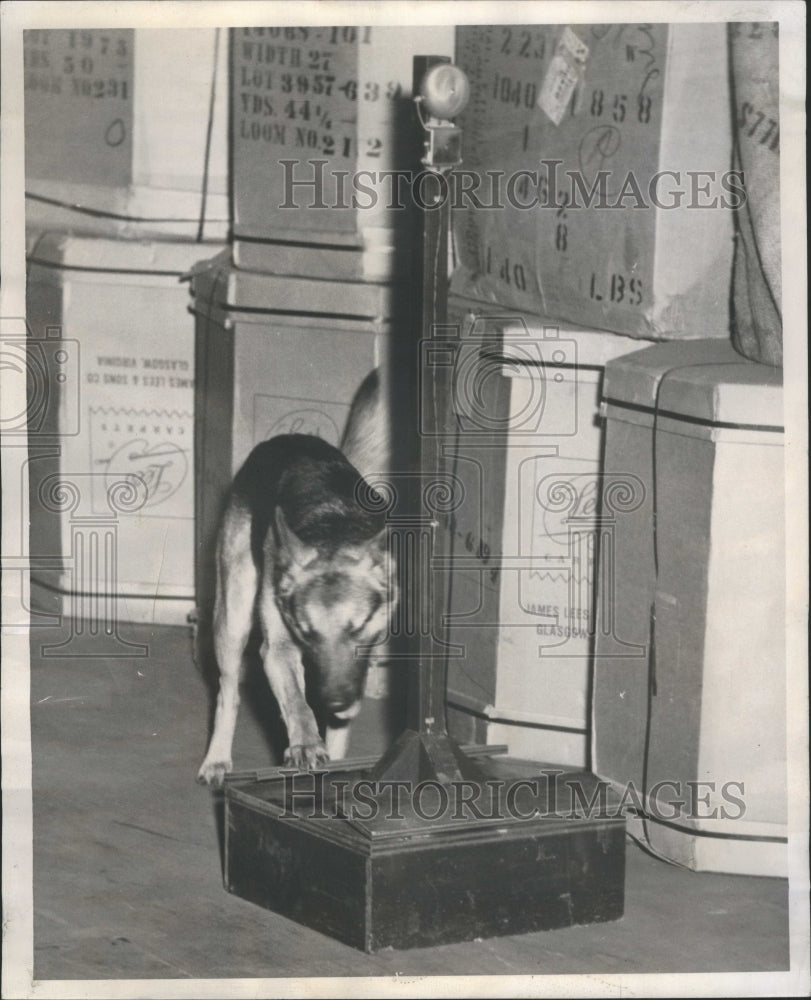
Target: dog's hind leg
285	673
234	602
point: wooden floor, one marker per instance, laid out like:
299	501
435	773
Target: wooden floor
127	873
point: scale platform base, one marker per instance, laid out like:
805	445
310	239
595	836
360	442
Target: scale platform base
415	879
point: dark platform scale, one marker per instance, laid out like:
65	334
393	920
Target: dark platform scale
544	854
415	882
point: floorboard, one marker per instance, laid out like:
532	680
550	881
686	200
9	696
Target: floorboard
127	870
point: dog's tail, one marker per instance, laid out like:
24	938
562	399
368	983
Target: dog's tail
367	436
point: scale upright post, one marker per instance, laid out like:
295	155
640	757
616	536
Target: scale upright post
425	750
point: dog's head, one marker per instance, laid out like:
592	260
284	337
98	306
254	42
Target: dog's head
337	606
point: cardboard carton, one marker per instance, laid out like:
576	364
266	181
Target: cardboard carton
528	452
327	106
274	355
611	202
117	131
111	421
690	674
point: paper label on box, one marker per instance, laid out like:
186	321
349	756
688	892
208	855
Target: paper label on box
564	73
78	105
152	451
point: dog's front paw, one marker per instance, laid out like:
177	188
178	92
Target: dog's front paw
306	756
213	772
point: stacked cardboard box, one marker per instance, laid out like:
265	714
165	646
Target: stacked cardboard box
608	149
275	355
125	181
123	136
111	424
318	115
527	452
690	670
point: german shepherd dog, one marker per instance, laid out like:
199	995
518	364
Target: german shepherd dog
297	549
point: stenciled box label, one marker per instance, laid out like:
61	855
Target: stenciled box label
318	115
550	246
79	105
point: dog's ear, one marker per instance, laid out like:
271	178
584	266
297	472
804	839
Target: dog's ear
378	544
384	566
299	551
